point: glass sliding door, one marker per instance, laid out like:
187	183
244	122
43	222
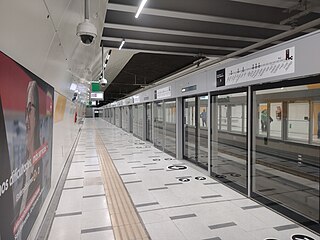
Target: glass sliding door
195	130
189	129
170	127
149	122
202	131
140	121
135	120
125	118
229	139
130	119
158	125
286	158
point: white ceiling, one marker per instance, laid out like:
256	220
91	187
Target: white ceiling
41	36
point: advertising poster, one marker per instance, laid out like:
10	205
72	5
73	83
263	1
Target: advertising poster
26	122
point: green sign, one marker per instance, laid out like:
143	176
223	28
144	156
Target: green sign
95	87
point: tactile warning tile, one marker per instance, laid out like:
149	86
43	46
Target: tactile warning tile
126	222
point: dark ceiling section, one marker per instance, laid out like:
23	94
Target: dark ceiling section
143	69
193	28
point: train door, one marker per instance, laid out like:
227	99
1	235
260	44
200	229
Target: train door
229	138
149	122
158	125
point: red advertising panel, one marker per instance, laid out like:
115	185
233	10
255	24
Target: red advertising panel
26	122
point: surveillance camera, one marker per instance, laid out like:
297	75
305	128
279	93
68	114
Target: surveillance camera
87	32
103	82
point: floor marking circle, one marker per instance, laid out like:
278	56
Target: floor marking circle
184	179
177	167
200	178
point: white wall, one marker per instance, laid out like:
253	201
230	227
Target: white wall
64	135
41	36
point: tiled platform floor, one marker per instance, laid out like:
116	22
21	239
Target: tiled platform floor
173	204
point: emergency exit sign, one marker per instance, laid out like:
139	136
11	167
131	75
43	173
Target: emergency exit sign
95	87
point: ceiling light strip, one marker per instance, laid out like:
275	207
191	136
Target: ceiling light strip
122	43
140	8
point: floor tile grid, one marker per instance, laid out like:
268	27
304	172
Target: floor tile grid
84	217
242	209
125	221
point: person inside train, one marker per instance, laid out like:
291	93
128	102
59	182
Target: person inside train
203	116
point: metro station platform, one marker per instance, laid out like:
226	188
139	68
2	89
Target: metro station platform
119	187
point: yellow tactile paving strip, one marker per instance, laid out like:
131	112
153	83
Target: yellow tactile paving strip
126	223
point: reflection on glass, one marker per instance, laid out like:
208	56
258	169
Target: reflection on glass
263	118
140	121
118	119
149	122
125	119
298	121
286	165
236	118
276	123
158	124
229	142
170	127
316	122
223	117
202	152
189	150
135	120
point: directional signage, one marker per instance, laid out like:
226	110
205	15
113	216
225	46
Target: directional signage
301	237
200	178
177	167
295	237
271	65
184	179
163	92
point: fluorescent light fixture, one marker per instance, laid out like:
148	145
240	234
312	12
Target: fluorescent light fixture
122	43
143	2
108	55
73	87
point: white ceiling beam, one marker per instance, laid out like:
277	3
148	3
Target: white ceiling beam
170	44
281	3
197	17
178	32
166	52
